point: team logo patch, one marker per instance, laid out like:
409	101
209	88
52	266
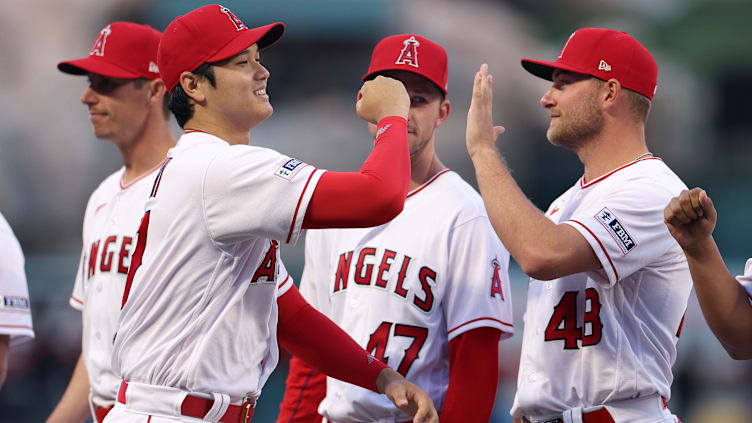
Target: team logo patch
409	54
496	279
290	169
616	230
15	303
239	25
98	48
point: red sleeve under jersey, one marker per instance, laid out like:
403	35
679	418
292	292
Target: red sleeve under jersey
304	391
473	376
314	338
372	196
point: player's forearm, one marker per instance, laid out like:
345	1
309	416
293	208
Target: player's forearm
530	237
473	376
372	196
74	405
724	302
305	388
320	343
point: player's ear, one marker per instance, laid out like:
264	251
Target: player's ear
444	108
611	91
191	86
157	90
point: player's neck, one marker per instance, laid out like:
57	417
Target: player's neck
424	165
147	150
220	126
612	149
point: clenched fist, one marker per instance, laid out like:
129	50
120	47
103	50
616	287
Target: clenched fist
382	97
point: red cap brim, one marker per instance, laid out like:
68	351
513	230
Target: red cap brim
264	36
545	70
97	66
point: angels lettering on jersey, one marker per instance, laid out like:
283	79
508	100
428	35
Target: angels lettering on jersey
110	254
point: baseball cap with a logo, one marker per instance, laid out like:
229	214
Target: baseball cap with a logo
121	50
206	35
604	54
412	53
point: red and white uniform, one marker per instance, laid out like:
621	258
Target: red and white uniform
15	308
746	278
111	219
404	289
210	262
607	336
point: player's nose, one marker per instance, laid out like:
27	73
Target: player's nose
89	96
547	100
262	72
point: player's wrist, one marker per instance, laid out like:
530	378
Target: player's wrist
391	118
387	376
700	250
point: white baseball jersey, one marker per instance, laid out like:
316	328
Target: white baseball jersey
610	334
200	313
404	289
110	223
746	279
15	308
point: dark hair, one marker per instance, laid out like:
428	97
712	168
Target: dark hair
139	82
639	105
180	103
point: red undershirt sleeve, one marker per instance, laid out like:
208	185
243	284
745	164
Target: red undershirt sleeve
473	376
372	196
315	339
304	391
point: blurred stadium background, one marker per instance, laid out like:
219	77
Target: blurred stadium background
50	161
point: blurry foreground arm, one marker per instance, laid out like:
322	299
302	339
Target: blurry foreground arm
690	218
473	376
4	347
543	249
305	388
74	405
311	336
376	193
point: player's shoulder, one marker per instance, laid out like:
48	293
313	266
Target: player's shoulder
649	175
453	194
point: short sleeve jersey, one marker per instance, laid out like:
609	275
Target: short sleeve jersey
15	307
404	289
746	278
200	312
110	223
608	334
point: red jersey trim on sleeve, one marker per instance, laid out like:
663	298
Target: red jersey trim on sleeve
17	327
297	207
76	300
616	274
282	285
480	318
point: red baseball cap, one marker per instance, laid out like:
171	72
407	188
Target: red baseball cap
121	50
604	54
208	34
412	53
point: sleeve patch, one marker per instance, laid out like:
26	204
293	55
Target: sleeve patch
289	169
14	303
618	232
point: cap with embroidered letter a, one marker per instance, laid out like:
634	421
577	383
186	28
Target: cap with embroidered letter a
604	54
206	35
411	53
121	50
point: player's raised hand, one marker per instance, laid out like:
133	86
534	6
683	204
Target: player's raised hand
382	97
690	217
481	132
407	396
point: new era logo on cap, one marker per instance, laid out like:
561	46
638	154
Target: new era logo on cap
604	54
411	53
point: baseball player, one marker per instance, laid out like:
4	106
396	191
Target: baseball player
609	286
427	293
727	306
15	309
207	294
127	106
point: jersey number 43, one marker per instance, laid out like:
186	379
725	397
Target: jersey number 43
563	323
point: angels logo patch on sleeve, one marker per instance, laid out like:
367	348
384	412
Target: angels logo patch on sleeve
289	169
617	231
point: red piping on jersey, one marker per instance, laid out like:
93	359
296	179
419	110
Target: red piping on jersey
584	184
285	281
599	243
300	200
76	299
417	190
17	326
126	186
480	318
